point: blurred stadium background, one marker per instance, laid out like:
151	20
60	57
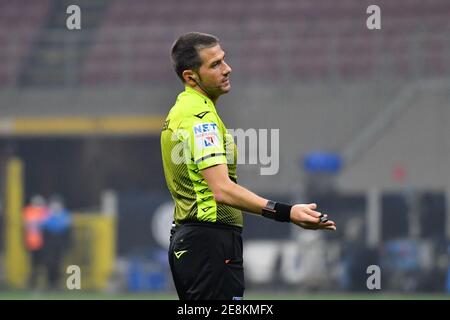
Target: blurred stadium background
364	119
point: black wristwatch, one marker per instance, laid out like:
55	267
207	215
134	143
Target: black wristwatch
269	210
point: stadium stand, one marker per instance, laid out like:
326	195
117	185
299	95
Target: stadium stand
302	40
20	23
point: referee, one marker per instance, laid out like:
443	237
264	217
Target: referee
199	160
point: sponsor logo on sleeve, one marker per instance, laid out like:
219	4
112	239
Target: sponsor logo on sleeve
206	135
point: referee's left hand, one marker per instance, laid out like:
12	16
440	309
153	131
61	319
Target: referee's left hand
305	216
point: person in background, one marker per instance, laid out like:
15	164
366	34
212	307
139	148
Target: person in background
34	216
57	238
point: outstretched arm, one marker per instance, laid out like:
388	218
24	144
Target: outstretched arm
227	192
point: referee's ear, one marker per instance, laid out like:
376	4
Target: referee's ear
189	77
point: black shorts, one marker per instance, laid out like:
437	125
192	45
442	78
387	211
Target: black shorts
206	262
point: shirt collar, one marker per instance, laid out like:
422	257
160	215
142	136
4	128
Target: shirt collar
191	90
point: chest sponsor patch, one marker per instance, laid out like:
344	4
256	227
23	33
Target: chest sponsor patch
206	135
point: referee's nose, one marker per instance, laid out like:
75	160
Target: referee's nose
227	69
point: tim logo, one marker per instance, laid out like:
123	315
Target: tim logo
209	141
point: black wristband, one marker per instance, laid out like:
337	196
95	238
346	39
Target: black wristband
283	212
277	211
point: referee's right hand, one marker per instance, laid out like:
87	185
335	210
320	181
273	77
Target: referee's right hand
305	216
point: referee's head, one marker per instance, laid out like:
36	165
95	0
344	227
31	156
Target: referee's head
199	62
185	51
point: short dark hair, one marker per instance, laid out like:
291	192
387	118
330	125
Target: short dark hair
185	51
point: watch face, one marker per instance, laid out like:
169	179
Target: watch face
270	205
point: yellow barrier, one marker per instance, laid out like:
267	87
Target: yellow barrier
64	126
93	249
16	258
94	239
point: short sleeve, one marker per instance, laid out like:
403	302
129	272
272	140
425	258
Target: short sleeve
205	141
